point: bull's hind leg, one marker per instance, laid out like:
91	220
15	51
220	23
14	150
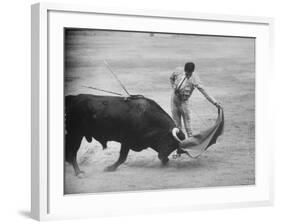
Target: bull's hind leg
73	142
122	158
79	173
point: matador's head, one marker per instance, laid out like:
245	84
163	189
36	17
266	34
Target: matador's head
189	68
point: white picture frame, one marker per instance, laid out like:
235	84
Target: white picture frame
48	201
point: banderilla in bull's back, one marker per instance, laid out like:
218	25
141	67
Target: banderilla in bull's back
118	94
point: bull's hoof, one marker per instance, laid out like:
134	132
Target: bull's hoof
110	168
80	174
164	161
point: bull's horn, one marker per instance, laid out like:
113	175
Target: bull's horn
174	132
186	143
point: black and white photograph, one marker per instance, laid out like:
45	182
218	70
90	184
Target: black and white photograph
157	111
144	111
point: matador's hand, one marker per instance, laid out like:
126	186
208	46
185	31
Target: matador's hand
218	105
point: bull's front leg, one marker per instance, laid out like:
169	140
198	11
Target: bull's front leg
122	158
164	159
163	154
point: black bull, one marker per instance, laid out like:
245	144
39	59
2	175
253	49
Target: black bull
136	122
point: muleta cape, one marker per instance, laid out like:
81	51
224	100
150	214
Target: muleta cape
204	139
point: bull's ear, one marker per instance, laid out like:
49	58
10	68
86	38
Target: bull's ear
181	135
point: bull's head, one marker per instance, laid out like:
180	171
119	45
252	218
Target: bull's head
178	135
183	143
169	143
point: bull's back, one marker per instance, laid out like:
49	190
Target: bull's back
115	107
117	110
111	115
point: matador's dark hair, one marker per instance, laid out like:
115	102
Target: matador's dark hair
189	67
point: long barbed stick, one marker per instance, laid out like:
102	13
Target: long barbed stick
115	76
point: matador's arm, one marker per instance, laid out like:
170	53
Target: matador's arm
173	79
205	93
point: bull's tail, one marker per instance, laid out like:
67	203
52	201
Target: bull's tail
68	100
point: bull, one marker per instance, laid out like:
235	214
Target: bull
136	122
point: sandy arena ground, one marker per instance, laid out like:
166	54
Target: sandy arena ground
144	63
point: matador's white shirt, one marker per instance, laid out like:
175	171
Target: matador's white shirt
185	86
